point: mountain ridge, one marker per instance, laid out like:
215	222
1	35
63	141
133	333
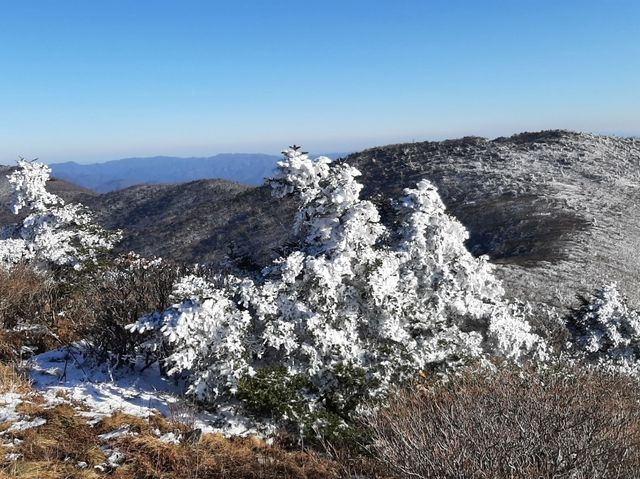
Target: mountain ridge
557	212
245	168
117	174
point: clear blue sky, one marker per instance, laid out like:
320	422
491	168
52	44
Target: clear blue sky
92	80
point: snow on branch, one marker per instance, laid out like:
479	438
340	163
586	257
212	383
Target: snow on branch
53	233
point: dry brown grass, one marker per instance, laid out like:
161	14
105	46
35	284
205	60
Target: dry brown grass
13	381
54	449
216	456
66	435
139	425
47	470
33	406
513	424
24	294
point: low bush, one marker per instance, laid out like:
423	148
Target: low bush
25	296
29	306
513	423
117	295
605	329
43	310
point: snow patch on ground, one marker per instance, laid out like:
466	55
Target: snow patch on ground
170	438
70	374
25	424
8	404
120	432
8	413
102	391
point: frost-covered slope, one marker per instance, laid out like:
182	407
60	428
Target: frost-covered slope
559	211
198	221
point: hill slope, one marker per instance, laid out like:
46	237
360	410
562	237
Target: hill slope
558	212
196	221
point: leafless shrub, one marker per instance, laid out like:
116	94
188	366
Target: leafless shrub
561	423
29	302
24	296
44	310
118	295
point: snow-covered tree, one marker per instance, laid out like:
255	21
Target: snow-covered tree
606	329
53	233
348	314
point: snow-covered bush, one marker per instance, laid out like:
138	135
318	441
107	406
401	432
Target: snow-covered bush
53	234
605	329
349	314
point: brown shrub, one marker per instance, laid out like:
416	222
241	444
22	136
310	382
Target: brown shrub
30	299
24	295
514	424
94	304
114	297
30	303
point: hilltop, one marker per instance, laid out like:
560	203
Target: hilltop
556	211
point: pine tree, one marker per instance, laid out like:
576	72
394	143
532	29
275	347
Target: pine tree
53	234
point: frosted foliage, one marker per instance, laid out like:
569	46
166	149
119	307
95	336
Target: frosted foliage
29	190
346	298
207	333
432	283
53	233
332	217
607	329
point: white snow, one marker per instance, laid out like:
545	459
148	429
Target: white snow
24	424
170	438
8	404
122	431
102	392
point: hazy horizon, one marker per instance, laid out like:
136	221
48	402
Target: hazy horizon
105	80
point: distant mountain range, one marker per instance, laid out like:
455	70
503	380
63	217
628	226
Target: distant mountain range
249	169
245	168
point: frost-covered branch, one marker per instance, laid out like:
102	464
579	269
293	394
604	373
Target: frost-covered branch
53	233
606	329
